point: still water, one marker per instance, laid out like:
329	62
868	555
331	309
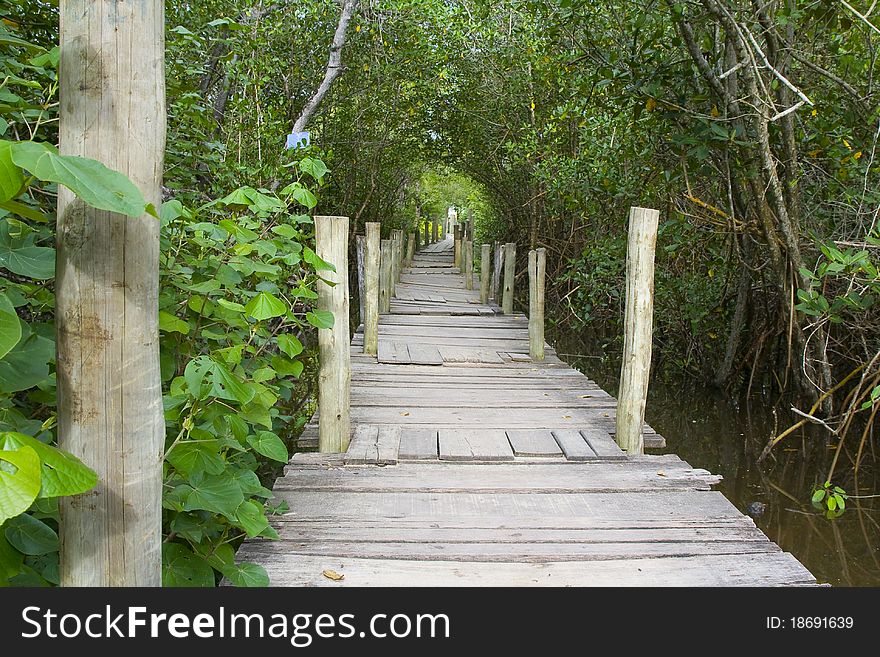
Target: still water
709	430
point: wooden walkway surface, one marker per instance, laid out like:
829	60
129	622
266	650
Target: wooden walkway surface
471	465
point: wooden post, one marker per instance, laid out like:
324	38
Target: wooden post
371	289
110	415
418	229
386	276
497	267
456	236
410	249
485	267
469	265
509	273
435	228
396	252
636	367
470	225
359	242
334	370
537	271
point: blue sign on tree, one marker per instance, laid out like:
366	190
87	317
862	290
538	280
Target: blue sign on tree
298	140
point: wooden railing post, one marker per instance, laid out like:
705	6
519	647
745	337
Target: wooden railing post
470	225
410	249
638	326
334	373
537	271
456	236
385	276
371	289
497	266
509	273
435	228
468	265
485	269
359	247
396	254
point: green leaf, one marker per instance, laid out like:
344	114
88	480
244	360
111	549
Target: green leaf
265	306
290	345
25	211
181	567
269	445
90	180
20	488
27	364
316	261
231	305
61	473
172	324
247	575
251	518
11	176
217	493
285	367
221	383
305	197
20	256
314	167
322	319
10	326
191	457
10	560
31	536
285	230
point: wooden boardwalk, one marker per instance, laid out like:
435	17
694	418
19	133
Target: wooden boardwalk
471	465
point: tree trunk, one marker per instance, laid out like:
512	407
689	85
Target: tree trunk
107	281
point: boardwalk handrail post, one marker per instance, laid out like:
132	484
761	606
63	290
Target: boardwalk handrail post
410	249
360	242
385	274
509	273
497	266
396	253
435	228
537	271
371	288
485	267
456	236
638	325
334	373
470	225
468	265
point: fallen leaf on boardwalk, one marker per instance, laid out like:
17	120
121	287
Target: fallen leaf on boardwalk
405	413
332	574
661	474
566	417
586	396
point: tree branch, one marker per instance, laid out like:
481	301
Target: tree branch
334	66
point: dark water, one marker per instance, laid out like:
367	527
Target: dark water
711	431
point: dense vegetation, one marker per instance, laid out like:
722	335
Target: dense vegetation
752	126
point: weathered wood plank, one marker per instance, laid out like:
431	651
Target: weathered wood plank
533	442
364	446
573	445
393	351
454	446
387	445
601	443
424	354
418	445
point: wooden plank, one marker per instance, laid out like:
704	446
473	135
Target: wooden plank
453	445
364	446
424	354
573	445
601	443
387	445
418	444
489	445
392	351
769	569
533	443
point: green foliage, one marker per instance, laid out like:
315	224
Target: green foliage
830	499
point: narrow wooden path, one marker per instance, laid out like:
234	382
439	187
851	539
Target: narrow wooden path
472	465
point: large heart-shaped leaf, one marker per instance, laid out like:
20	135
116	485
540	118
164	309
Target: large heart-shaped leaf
265	306
27	364
290	345
11	176
31	536
61	473
181	567
217	493
90	180
270	445
247	574
10	326
20	488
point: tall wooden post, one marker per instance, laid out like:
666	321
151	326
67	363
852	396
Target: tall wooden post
410	249
456	236
334	372
418	230
435	228
359	247
469	265
396	254
371	288
638	326
386	285
497	267
485	269
509	273
110	416
470	224
537	272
